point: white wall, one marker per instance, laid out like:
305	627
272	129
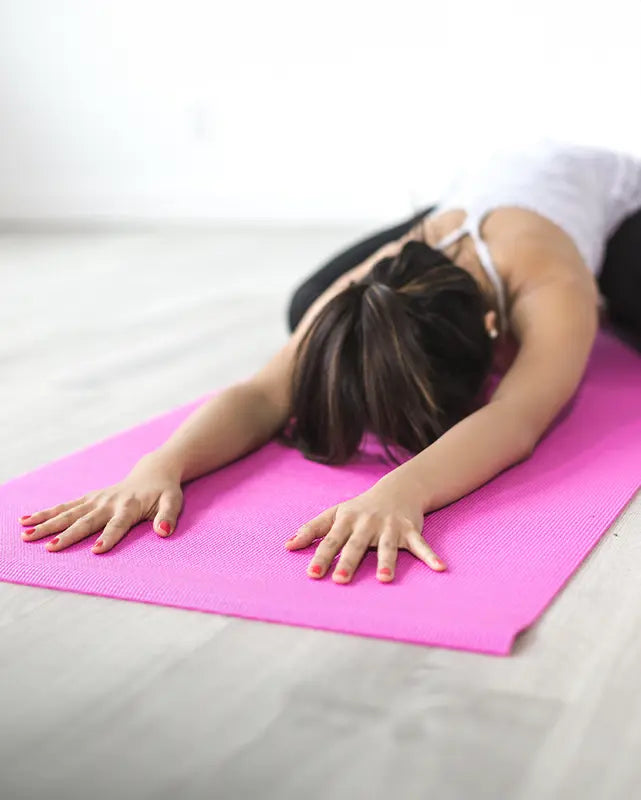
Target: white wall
286	109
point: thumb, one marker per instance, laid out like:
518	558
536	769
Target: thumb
169	505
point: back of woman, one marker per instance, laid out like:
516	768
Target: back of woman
530	227
585	191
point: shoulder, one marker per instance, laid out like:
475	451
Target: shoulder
544	275
531	251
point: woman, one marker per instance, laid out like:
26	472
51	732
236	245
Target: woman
397	335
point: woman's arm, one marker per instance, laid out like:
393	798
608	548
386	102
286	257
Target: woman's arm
465	457
556	325
246	415
233	423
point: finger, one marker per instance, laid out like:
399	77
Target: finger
387	555
85	526
319	526
363	531
416	544
169	505
41	516
328	548
354	550
58	523
116	529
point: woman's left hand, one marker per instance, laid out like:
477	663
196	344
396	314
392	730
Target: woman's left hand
384	517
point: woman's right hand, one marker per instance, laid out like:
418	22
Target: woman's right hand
150	491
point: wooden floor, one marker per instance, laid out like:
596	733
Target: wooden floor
105	698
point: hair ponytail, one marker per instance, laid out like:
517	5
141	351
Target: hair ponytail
402	353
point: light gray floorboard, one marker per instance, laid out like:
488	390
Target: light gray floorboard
105	698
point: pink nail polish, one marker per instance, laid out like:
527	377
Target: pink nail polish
316	569
342	572
29	531
164	526
55	541
99	543
385	571
438	562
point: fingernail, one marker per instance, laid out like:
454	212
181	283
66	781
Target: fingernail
291	539
25	516
316	569
29	531
55	541
385	571
438	562
99	543
342	572
164	526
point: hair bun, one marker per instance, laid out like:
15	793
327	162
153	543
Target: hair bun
423	253
371	282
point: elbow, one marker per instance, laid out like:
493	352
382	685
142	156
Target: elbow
524	454
534	432
528	446
523	433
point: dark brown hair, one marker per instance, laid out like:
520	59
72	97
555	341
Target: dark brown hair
403	353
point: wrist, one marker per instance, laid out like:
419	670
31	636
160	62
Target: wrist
402	483
164	460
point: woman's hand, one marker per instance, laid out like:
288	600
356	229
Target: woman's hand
385	517
151	490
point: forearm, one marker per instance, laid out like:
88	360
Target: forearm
465	457
233	423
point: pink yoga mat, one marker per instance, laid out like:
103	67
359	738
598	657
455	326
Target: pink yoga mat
510	545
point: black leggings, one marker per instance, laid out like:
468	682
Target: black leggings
619	279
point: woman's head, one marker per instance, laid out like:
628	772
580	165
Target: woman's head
402	353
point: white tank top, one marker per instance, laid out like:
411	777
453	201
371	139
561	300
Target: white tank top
586	191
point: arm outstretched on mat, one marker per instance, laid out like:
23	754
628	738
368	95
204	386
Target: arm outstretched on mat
223	428
556	325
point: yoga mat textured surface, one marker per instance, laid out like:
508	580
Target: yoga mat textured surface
510	545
